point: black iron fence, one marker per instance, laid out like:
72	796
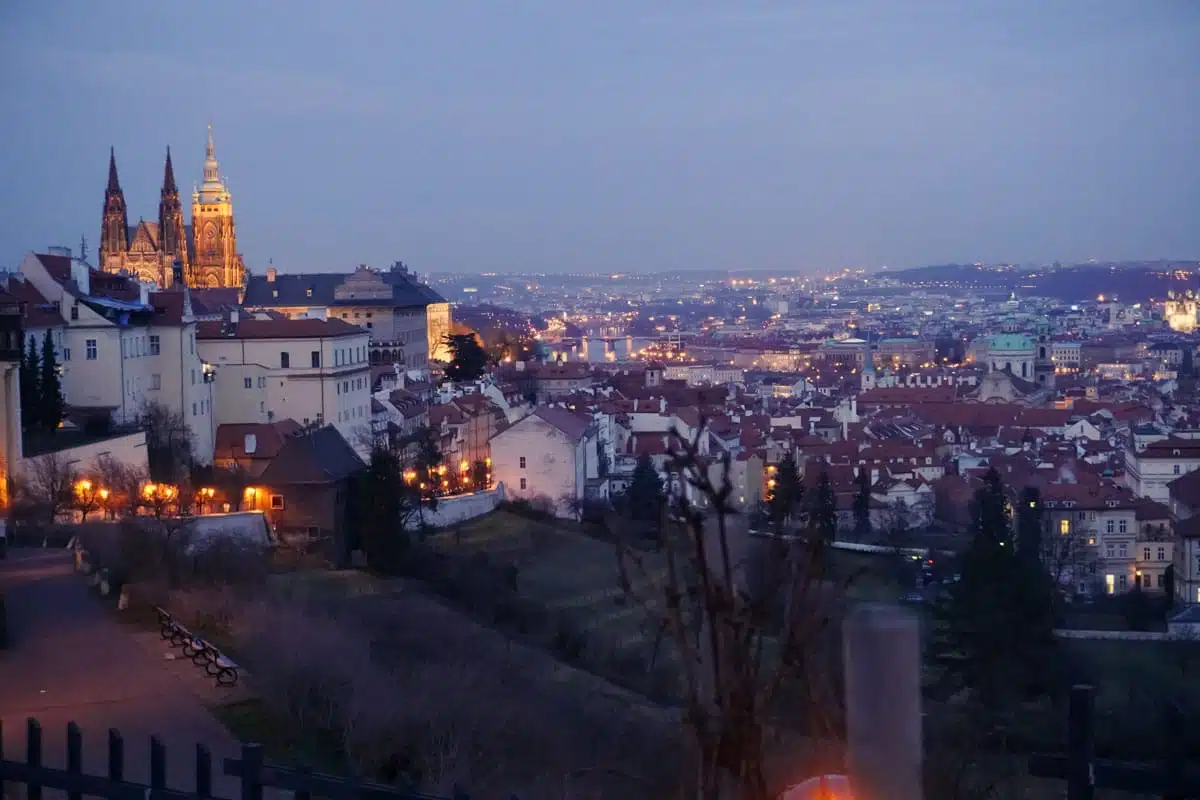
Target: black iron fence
253	774
1172	779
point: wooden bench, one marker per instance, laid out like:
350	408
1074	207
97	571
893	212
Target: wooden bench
202	652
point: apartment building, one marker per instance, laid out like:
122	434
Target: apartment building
120	345
1092	540
407	321
1148	471
314	371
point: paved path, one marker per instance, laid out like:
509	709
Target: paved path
68	659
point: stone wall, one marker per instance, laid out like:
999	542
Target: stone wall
451	510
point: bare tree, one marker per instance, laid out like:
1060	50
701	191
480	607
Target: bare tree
124	483
746	625
169	443
47	485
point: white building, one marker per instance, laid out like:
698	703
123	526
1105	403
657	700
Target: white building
549	454
1148	471
120	345
314	371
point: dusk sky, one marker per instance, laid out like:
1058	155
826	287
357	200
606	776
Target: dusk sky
635	135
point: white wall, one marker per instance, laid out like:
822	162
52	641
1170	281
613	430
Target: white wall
337	392
554	465
129	449
452	510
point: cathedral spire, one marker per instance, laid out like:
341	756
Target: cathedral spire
169	186
114	183
114	225
211	190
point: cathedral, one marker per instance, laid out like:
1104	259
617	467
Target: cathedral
204	254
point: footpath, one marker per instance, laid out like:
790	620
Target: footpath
70	660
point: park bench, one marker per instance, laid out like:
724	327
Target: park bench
202	652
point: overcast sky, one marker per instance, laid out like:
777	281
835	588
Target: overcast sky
625	134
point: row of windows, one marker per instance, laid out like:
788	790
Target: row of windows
345	387
249	382
358	412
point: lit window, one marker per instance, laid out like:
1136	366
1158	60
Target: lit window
1064	526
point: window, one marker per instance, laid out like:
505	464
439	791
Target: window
66	354
1145	554
522	462
1123	527
1162	554
1110	550
316	359
1064	526
1108	526
74	312
1122	580
1162	581
90	344
276	501
524	483
285	360
1176	469
156	381
248	383
155	344
193	377
1123	549
194	410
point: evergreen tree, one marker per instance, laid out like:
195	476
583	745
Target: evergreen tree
822	511
384	504
1029	527
29	388
995	631
862	505
50	396
468	359
783	498
645	494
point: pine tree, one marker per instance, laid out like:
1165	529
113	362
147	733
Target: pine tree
468	359
995	631
645	493
862	505
1029	527
29	388
822	511
783	498
50	396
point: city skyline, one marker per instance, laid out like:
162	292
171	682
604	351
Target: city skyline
683	136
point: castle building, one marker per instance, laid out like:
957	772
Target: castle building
204	253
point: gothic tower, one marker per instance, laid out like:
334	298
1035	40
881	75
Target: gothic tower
171	231
1043	362
215	260
114	228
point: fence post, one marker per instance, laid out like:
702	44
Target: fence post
116	756
74	758
1081	744
883	717
1175	755
203	771
33	759
252	762
158	766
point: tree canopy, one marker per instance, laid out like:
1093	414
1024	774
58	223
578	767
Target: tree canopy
822	510
787	492
995	628
645	493
468	359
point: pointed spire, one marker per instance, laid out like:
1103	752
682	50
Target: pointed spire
169	186
210	152
114	183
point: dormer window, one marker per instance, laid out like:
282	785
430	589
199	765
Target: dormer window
308	292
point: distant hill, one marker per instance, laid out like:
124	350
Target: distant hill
1132	282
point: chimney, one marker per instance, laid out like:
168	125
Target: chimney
271	273
233	316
